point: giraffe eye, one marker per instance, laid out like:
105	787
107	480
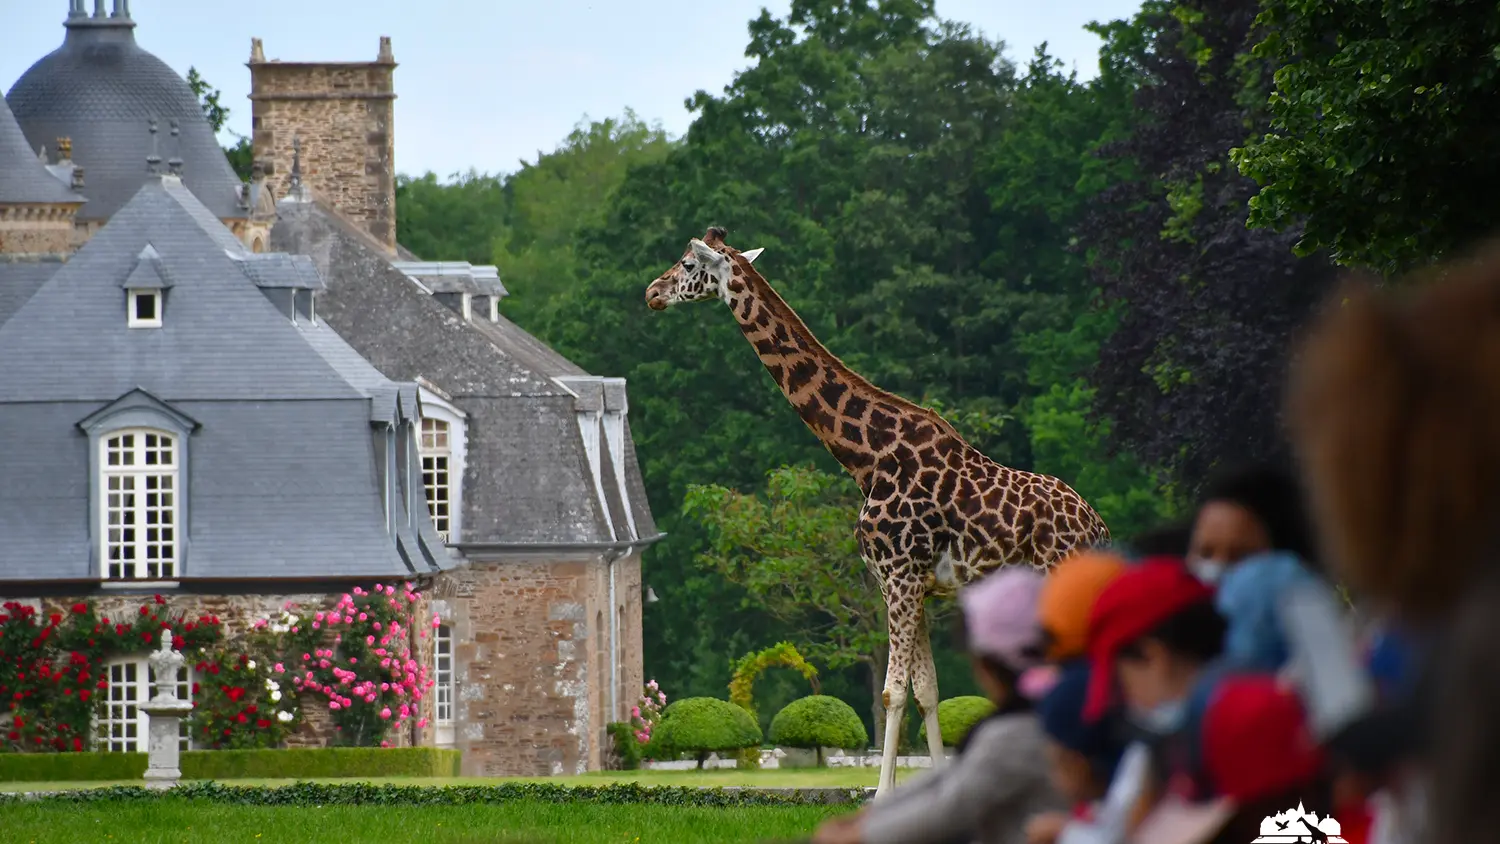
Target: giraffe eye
688	265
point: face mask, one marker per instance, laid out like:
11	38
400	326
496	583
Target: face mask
1162	719
1207	571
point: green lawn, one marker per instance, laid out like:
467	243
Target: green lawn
521	822
807	778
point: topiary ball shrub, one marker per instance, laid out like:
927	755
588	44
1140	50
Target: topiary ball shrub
700	726
817	722
957	716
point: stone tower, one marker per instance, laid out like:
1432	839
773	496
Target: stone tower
343	113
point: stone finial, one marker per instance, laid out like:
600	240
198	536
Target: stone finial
165	661
296	178
174	164
64	149
257	52
153	161
385	50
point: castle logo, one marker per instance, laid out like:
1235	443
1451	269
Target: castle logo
1299	826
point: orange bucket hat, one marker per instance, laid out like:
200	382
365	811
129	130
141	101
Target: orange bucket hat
1068	598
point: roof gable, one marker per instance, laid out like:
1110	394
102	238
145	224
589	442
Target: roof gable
220	338
136	400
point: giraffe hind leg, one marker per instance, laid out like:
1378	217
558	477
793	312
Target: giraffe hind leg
925	689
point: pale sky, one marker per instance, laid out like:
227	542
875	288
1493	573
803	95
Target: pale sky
485	84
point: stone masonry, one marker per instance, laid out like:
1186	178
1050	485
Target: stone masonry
343	113
36	229
532	661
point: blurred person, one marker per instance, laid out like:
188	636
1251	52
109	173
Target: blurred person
1169	540
1000	776
1083	756
1244	512
1067	600
1266	777
1393	411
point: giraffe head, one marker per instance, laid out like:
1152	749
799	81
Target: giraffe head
701	273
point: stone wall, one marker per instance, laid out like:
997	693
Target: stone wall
36	229
343	114
532	662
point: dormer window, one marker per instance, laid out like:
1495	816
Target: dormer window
143	309
145	290
494	309
312	307
468	307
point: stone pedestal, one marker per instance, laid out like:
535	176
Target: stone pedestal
164	711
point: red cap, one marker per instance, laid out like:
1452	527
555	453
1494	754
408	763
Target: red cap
1143	596
1256	741
1255	744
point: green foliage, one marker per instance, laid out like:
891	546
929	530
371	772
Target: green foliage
817	722
917	196
241	155
628	748
750	666
1382	133
236	764
311	794
701	726
957	716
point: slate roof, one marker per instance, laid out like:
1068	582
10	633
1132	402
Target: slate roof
100	89
20	279
282	475
23	177
528	478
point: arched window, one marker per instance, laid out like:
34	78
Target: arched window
437	458
139	487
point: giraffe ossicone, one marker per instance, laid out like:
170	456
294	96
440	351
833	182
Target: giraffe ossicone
937	514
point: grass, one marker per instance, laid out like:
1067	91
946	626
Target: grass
796	778
521	822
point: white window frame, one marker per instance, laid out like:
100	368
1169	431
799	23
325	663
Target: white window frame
120	725
444	686
468	306
132	299
439	408
437	460
494	308
312	307
126	490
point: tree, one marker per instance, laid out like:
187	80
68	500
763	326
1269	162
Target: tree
793	552
1193	372
240	155
1381	139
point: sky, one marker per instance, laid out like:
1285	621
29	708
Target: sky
485	84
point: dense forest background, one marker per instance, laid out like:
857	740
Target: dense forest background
1098	280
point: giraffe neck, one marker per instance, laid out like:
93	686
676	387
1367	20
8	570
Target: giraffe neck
835	402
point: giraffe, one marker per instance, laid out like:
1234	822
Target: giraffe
937	513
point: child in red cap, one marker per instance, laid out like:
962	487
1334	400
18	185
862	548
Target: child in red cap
1268	777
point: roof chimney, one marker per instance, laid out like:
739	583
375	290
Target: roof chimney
99	9
174	164
75	9
122	9
153	161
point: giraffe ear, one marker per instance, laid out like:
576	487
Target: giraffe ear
752	254
705	254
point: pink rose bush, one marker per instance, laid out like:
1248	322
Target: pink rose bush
359	660
646	712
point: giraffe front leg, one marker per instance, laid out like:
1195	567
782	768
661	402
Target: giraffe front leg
925	688
902	616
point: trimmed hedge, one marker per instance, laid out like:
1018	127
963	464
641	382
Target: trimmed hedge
817	722
700	726
957	716
237	764
362	794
